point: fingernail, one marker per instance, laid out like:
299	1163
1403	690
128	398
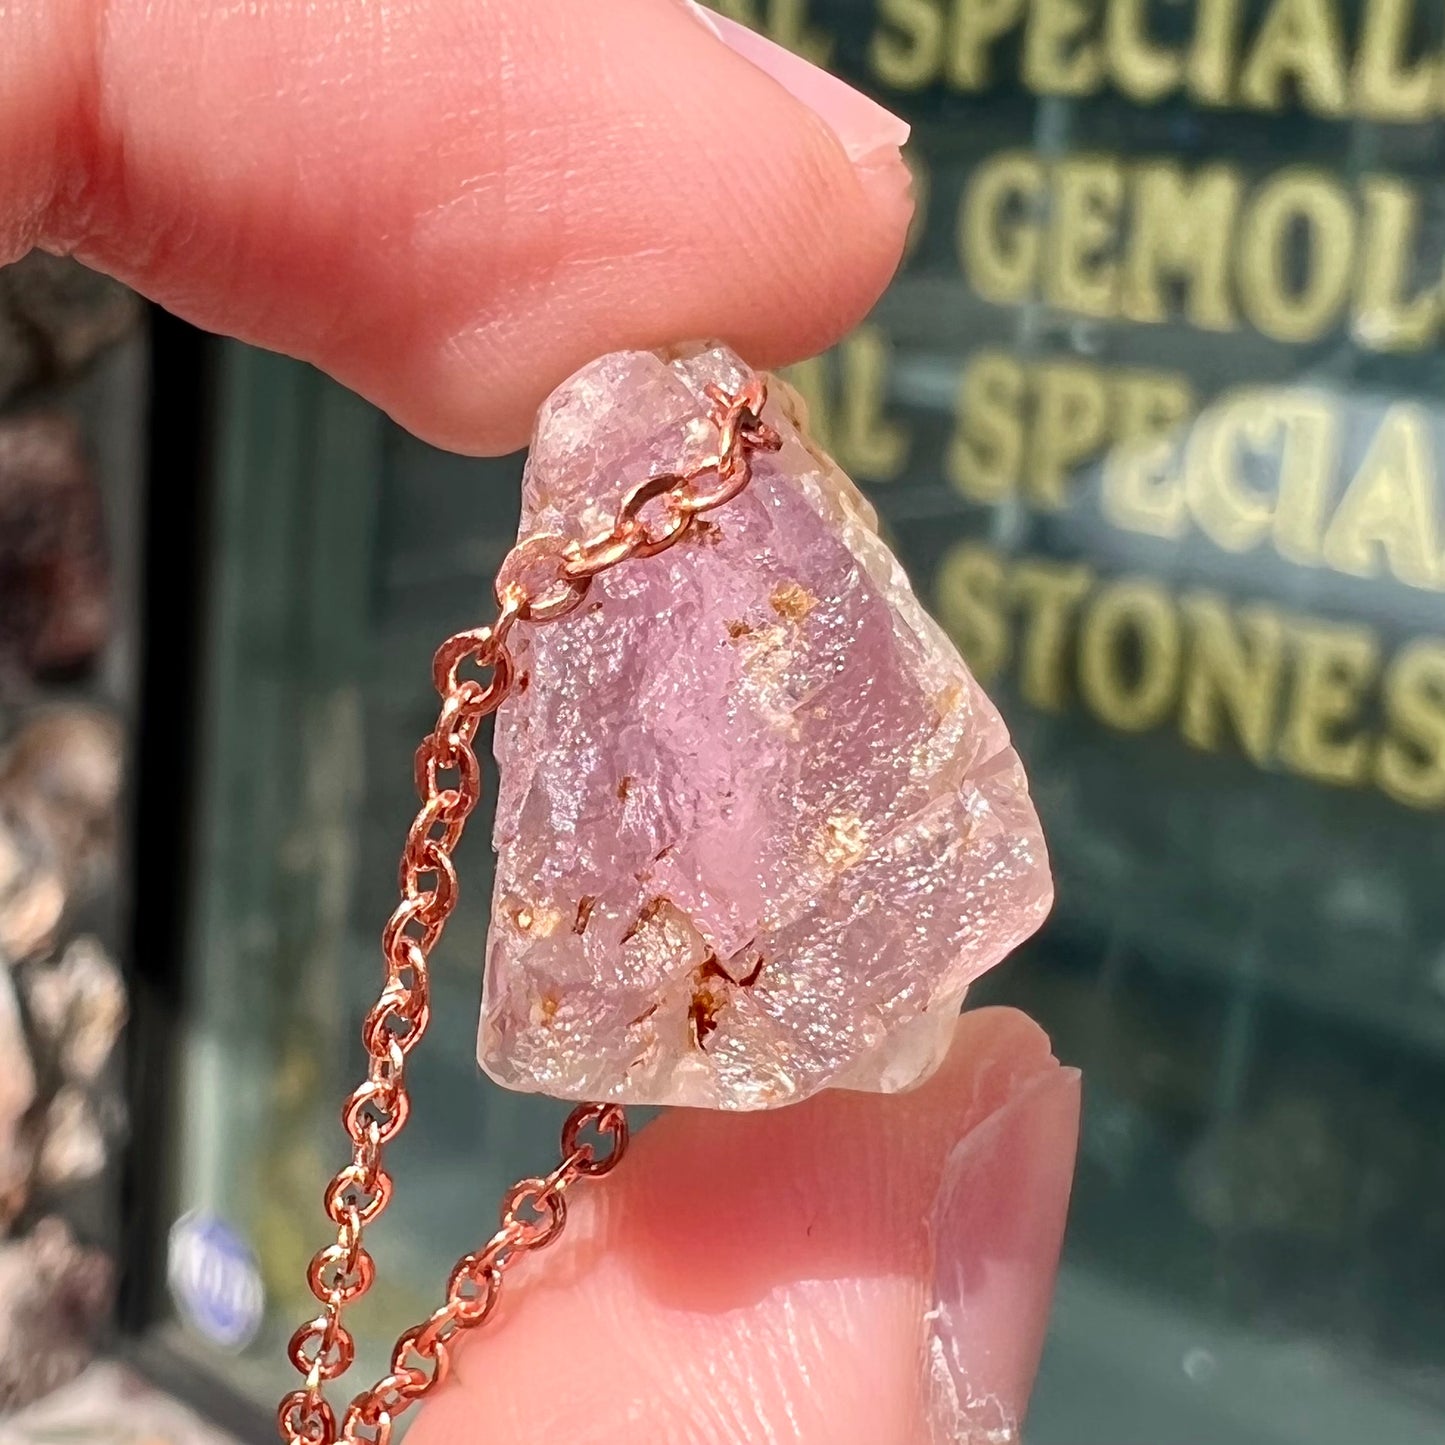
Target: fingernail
864	127
997	1228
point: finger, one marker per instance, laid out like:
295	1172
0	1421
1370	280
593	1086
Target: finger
849	1271
450	206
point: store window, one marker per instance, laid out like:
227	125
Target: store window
1152	416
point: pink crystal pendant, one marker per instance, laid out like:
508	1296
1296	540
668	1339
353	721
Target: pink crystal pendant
758	827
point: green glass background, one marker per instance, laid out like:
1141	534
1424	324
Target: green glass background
1249	966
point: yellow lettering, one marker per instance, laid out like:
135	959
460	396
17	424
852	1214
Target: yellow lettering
787	23
1297	202
1141	489
1301	41
1213	51
1232	670
1143	70
1333	665
984	456
1306	468
1390	506
977	24
855	428
969	591
1410	765
1178	230
1385	87
917	165
1150	404
1068	426
810	380
871	444
1384	321
998	227
1081	274
906	50
1050	593
1056	59
1235	515
1129	655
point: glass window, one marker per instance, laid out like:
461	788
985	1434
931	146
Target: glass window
1152	416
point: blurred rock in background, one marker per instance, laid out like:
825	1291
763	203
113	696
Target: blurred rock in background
62	751
55	318
55	1293
54	589
109	1405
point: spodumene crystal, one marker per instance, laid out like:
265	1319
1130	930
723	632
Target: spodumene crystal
758	827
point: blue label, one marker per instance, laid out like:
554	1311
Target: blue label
215	1281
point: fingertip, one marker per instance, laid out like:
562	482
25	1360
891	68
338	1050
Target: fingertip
771	1276
864	128
453	236
778	257
997	1226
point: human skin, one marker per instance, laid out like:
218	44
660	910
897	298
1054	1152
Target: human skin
449	205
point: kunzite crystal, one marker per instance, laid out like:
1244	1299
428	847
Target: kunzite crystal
758	827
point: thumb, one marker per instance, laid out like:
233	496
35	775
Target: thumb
450	207
848	1271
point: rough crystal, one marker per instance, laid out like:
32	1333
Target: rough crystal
758	826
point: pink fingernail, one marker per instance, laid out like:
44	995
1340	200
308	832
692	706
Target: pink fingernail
998	1225
863	126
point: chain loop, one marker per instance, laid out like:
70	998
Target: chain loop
644	541
537	567
323	1346
606	1121
480	1274
544	578
341	1275
305	1417
536	1211
483	646
362	1189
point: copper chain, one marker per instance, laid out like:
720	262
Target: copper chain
545	577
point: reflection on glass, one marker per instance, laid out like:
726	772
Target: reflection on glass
1152	414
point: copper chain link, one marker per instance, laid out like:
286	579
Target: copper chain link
543	578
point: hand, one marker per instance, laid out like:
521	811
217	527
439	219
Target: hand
853	1270
449	205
